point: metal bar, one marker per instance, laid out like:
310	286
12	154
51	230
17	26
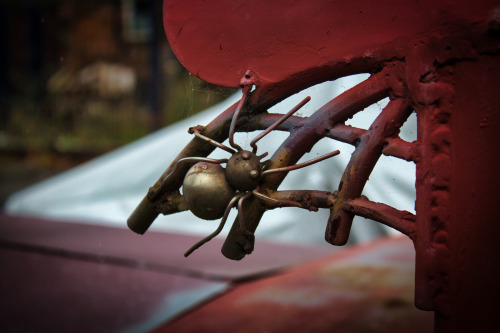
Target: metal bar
263	121
232	128
301	165
346	133
275	203
307	199
400	148
361	164
402	221
217	144
280	121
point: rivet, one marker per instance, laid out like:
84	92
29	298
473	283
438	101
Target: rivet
246	155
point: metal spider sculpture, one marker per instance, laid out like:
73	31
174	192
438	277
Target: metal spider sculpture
250	184
210	191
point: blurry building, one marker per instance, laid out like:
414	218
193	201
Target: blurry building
89	75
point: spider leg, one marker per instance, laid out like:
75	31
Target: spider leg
241	218
154	192
301	165
219	228
263	155
280	121
213	142
277	203
246	89
245	238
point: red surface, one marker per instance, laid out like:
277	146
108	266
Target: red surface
219	41
448	53
365	289
48	293
154	250
474	226
70	277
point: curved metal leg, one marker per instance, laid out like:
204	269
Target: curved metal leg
219	228
302	165
212	142
280	121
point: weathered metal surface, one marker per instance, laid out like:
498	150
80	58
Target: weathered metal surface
296	40
65	276
89	285
152	251
425	56
363	289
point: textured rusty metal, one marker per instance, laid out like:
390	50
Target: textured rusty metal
422	58
362	289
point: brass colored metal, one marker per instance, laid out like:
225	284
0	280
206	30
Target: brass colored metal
302	165
206	190
217	231
211	191
244	170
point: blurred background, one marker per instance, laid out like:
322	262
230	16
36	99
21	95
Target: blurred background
81	78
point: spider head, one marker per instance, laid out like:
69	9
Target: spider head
244	170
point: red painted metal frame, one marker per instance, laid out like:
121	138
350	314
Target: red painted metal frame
436	58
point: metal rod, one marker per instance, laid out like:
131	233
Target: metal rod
275	202
402	221
301	165
232	128
400	148
346	133
280	121
213	142
219	228
308	199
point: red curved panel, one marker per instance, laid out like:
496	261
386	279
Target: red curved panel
219	40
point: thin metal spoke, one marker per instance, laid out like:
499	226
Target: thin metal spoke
213	142
274	202
219	228
301	165
280	121
232	128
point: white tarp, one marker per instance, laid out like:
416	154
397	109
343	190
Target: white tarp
107	189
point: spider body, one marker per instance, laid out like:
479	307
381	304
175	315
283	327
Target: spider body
208	187
206	190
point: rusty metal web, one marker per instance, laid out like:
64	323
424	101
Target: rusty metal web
329	121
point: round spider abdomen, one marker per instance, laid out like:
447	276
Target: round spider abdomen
243	170
206	190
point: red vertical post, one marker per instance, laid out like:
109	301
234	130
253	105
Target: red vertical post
458	223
